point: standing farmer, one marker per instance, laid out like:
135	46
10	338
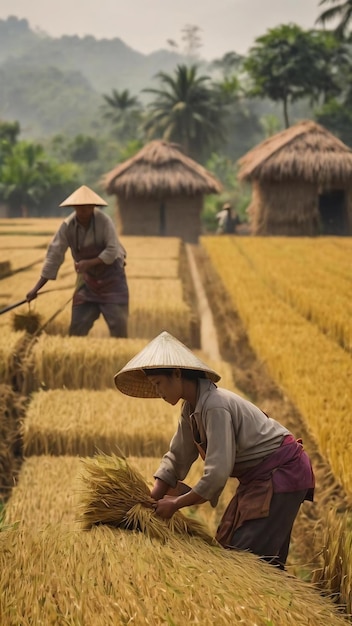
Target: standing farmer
234	438
99	260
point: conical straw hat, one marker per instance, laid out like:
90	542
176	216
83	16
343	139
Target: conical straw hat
83	195
164	351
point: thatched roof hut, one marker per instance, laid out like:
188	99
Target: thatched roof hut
160	192
302	183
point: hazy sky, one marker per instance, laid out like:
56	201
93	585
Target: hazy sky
146	25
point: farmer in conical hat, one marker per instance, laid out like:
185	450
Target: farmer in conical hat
234	438
99	260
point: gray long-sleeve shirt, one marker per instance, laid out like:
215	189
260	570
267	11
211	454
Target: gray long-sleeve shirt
101	230
236	432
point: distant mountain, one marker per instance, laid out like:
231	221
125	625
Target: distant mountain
55	85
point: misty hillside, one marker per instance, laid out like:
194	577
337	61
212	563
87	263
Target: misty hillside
56	85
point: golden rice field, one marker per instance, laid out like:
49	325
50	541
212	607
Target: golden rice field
52	572
311	365
108	576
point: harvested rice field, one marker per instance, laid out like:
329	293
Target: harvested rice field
72	573
69	434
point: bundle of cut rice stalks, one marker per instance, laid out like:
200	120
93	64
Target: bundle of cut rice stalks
5	268
117	495
29	321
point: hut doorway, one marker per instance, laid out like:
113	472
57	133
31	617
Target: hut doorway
332	211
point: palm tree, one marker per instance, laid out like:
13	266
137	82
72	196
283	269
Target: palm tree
124	111
186	111
341	11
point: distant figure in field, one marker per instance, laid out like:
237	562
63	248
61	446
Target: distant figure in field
99	260
228	220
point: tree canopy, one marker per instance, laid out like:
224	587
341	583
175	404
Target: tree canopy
186	110
289	64
341	11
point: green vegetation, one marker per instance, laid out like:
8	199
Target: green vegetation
187	110
83	105
278	66
341	11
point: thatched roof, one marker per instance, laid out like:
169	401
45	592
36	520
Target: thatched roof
160	169
306	152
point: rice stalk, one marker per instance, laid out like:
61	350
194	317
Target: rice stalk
29	322
117	495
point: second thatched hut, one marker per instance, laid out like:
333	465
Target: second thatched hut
302	183
160	192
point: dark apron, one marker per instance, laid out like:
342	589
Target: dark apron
256	486
103	284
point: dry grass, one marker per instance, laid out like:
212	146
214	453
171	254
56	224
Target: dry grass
21	259
313	370
10	343
160	169
81	421
115	493
68	576
30	322
77	362
292	270
107	577
11	410
84	421
26	226
151	248
49	491
335	574
305	152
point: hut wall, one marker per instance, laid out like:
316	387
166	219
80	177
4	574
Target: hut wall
141	217
287	208
4	210
349	210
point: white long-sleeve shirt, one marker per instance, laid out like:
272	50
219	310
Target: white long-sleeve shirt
236	432
101	231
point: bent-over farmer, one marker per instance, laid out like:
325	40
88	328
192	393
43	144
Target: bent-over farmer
234	438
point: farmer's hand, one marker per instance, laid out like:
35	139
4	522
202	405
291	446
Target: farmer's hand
32	294
82	266
166	507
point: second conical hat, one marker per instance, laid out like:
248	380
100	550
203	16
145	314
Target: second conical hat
165	351
84	196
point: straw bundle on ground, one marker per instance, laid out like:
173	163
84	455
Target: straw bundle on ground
30	322
11	409
48	491
5	268
335	575
83	421
26	227
77	362
117	495
45	493
11	242
10	345
139	267
149	248
107	577
21	260
156	304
